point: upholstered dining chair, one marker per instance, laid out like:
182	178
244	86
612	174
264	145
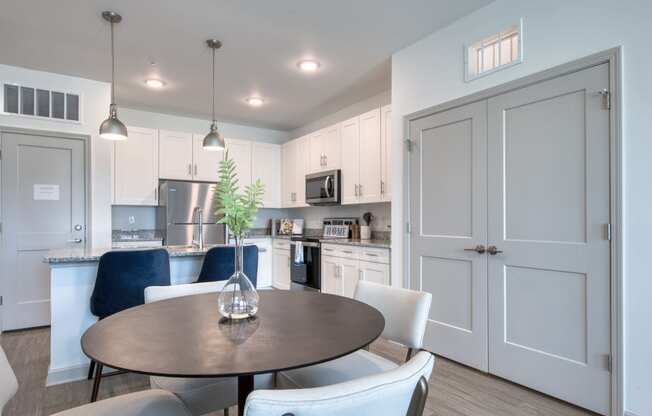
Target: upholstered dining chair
122	277
142	403
397	392
219	264
406	315
200	395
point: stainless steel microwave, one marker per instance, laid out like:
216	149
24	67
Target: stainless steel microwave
323	188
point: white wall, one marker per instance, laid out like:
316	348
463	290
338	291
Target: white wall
95	98
430	72
138	118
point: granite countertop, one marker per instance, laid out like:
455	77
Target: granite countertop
92	254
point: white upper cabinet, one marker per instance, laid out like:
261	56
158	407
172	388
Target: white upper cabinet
205	162
175	155
350	160
135	168
370	156
325	149
295	166
386	151
240	152
266	167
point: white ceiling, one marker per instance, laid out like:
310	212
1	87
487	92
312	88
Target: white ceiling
263	40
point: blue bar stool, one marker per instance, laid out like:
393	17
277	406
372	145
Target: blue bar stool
122	277
219	264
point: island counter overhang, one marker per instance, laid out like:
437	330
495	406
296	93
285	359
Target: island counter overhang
72	278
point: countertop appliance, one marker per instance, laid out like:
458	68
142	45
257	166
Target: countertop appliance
305	263
323	188
187	214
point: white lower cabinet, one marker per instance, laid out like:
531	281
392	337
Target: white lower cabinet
343	266
374	272
281	265
265	261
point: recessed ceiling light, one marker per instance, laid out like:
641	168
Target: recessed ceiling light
308	65
154	83
255	101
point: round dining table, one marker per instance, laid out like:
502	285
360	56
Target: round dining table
187	337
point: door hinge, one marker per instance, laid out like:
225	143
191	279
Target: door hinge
408	143
608	231
609	363
408	227
606	98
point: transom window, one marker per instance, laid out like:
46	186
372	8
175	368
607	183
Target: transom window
494	52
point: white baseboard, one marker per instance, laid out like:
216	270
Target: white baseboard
70	374
627	413
67	374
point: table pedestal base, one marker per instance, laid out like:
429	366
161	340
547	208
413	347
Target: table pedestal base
245	386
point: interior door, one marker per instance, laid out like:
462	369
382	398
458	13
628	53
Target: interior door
43	207
350	160
448	213
205	162
548	211
370	170
175	155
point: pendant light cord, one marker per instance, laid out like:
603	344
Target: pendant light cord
112	68
213	85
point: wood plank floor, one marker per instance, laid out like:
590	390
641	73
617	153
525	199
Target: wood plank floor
455	390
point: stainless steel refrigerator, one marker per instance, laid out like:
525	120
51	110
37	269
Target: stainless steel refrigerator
181	205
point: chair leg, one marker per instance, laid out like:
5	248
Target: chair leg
96	382
226	412
91	369
418	400
410	353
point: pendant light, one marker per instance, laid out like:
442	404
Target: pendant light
112	128
213	140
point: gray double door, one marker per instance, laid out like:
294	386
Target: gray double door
43	208
510	200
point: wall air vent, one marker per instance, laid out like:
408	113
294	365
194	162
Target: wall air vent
36	102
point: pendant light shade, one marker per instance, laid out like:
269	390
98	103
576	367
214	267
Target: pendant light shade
112	128
214	141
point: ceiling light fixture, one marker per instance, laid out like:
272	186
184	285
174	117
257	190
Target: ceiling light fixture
255	101
154	83
213	141
112	128
308	65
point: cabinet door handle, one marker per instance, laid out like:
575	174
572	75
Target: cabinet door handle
359	190
189	168
356	190
371	254
195	169
325	160
156	195
382	187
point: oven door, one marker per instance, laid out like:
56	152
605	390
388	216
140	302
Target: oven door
308	272
323	188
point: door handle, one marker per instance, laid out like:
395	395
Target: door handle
326	187
493	250
75	240
478	249
359	190
195	169
356	190
190	169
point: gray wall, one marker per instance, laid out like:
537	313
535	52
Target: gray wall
313	216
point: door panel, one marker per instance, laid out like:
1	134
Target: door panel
43	205
265	166
331	145
350	160
175	155
240	152
548	206
448	214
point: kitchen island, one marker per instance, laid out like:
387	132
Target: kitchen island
72	278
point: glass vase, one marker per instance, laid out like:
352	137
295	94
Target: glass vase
239	298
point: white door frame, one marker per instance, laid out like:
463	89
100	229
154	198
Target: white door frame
614	58
86	140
